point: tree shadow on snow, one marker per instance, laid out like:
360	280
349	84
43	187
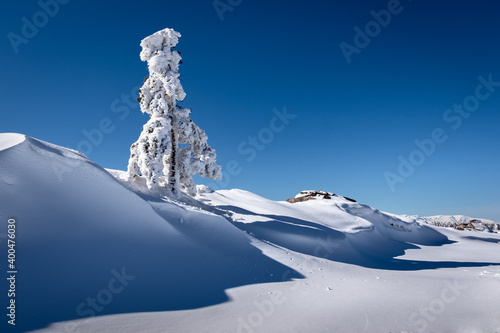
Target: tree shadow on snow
489	240
189	266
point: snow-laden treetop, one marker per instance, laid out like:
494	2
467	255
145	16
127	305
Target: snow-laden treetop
157	51
159	41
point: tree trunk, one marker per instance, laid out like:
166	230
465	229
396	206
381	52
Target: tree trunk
173	174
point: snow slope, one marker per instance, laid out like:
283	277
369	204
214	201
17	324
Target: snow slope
357	233
76	224
8	140
97	254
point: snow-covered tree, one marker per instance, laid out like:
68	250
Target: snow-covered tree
157	155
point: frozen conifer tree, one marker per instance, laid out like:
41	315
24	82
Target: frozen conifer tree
156	156
197	157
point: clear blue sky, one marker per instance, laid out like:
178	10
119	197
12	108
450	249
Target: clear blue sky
353	120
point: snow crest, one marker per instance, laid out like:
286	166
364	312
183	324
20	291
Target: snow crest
8	140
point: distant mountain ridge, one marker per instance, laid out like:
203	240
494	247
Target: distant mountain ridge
460	222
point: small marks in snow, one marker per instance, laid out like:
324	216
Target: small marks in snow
488	273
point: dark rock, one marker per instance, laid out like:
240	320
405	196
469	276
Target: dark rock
313	195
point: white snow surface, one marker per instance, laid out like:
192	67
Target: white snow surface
8	140
94	255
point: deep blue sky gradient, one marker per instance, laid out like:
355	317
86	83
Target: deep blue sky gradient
352	121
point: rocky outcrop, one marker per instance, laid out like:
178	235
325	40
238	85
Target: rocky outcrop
313	195
300	199
474	224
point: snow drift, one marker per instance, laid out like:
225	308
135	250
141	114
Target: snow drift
76	224
97	253
337	229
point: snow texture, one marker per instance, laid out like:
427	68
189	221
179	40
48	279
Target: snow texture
8	140
97	256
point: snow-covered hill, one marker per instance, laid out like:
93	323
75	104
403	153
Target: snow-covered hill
96	253
76	225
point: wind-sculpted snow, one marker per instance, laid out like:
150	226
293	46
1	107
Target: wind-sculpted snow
94	255
77	224
337	229
8	140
